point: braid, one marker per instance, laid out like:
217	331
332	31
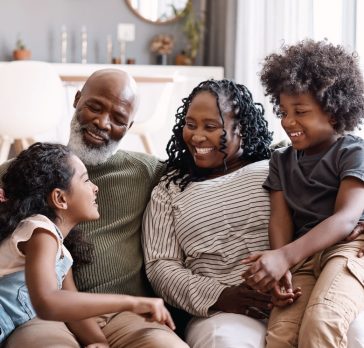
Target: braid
256	139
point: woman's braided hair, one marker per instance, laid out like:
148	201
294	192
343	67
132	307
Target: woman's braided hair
248	116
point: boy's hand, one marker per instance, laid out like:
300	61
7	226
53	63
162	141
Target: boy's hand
359	229
266	269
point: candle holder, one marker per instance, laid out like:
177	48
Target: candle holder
63	44
84	45
126	33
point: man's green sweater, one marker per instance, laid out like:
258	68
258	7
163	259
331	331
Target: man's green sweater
125	183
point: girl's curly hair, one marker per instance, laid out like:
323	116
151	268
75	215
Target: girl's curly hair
27	184
248	116
329	73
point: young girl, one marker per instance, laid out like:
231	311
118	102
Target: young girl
317	195
46	192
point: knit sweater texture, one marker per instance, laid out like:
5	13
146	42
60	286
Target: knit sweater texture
125	183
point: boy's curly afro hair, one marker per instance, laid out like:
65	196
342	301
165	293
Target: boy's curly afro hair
329	73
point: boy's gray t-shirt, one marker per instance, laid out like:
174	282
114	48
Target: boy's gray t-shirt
310	183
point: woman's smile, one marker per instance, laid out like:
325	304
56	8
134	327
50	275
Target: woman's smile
203	150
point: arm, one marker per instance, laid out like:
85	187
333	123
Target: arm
280	223
165	260
349	207
281	233
87	331
270	266
66	305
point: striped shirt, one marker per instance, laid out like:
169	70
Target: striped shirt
194	240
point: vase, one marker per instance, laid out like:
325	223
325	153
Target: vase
161	59
183	59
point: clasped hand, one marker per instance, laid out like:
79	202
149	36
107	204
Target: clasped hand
242	299
266	269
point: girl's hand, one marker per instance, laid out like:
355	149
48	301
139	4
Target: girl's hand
266	269
152	309
98	345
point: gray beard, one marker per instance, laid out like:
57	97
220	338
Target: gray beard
89	155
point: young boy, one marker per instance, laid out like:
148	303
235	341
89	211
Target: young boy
317	196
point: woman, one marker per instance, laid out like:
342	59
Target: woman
209	212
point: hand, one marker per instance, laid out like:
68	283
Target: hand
283	294
152	309
98	345
242	299
267	268
359	228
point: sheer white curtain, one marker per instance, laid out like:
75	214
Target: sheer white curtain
263	26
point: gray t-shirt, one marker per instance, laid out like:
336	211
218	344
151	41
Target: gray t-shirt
310	183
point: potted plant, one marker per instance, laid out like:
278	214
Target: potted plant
21	52
192	27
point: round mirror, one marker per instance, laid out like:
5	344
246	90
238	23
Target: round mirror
158	11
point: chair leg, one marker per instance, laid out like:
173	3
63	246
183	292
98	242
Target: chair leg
22	144
5	148
18	146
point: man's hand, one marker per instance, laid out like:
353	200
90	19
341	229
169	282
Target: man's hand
242	299
359	229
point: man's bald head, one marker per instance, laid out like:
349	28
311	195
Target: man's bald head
105	109
118	81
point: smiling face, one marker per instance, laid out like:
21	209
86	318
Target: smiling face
104	112
81	195
307	125
203	130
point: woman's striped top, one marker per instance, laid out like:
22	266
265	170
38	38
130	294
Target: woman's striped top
194	240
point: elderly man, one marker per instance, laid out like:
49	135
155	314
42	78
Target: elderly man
105	109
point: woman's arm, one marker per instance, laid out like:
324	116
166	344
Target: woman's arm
65	305
269	267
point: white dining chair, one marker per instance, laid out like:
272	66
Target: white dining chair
151	120
31	102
